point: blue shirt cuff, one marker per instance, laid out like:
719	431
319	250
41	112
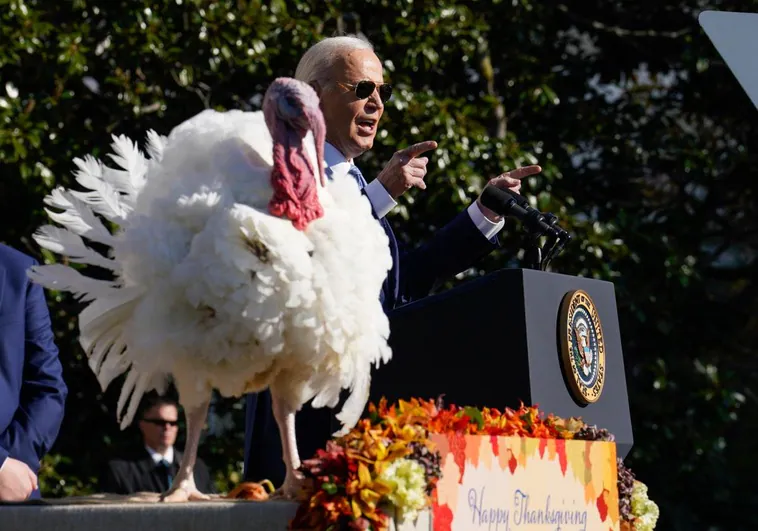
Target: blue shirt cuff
488	228
380	199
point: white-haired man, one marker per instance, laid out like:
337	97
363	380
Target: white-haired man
349	79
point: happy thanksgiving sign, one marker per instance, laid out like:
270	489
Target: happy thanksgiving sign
511	483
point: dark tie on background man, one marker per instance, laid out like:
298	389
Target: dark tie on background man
165	466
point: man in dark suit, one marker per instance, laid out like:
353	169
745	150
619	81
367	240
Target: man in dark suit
152	466
32	391
348	77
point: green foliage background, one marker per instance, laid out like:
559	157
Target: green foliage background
645	138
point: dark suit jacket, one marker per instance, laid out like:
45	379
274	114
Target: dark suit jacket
413	276
137	472
32	391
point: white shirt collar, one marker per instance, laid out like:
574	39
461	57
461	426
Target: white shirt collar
335	160
157	458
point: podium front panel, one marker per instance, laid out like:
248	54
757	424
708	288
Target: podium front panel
494	341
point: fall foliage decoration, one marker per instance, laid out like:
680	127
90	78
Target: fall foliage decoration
388	463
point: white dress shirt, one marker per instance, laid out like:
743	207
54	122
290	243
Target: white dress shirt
382	202
157	458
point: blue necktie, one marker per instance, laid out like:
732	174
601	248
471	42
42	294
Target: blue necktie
167	466
358	176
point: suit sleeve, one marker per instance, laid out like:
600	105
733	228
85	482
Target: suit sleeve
111	480
454	248
37	421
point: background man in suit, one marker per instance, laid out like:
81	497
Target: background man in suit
152	466
32	391
349	79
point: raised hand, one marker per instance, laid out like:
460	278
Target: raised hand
510	180
406	169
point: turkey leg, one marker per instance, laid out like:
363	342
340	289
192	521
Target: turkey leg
184	489
285	419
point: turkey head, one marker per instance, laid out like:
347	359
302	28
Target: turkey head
291	109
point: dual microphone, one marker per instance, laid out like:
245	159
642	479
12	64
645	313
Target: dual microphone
508	203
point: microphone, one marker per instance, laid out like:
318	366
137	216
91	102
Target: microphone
508	203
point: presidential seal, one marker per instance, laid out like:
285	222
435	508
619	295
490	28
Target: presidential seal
582	346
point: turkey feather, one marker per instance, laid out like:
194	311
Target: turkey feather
103	196
155	145
77	217
60	277
66	243
128	156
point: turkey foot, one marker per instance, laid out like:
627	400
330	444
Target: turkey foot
291	486
184	488
285	419
184	491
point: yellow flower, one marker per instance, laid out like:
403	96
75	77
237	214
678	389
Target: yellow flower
408	482
645	510
365	494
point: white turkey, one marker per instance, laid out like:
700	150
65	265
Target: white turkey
236	266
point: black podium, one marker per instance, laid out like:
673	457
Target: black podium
497	340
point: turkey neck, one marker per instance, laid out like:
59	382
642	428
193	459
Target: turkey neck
293	179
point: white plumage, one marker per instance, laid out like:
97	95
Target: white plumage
211	288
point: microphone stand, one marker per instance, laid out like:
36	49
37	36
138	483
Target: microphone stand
538	257
533	251
556	248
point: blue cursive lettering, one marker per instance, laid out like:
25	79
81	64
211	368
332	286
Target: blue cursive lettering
481	515
560	518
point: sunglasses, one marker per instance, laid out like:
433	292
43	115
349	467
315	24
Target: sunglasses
364	89
162	423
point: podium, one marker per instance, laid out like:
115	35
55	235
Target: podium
506	338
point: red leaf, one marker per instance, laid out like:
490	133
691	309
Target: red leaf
602	507
457	443
543	447
495	446
560	448
443	517
512	463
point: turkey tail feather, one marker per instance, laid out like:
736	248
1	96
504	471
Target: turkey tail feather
112	194
128	156
155	145
104	313
103	195
101	333
132	392
77	216
66	243
352	410
59	277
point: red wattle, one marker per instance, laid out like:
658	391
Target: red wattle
292	178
